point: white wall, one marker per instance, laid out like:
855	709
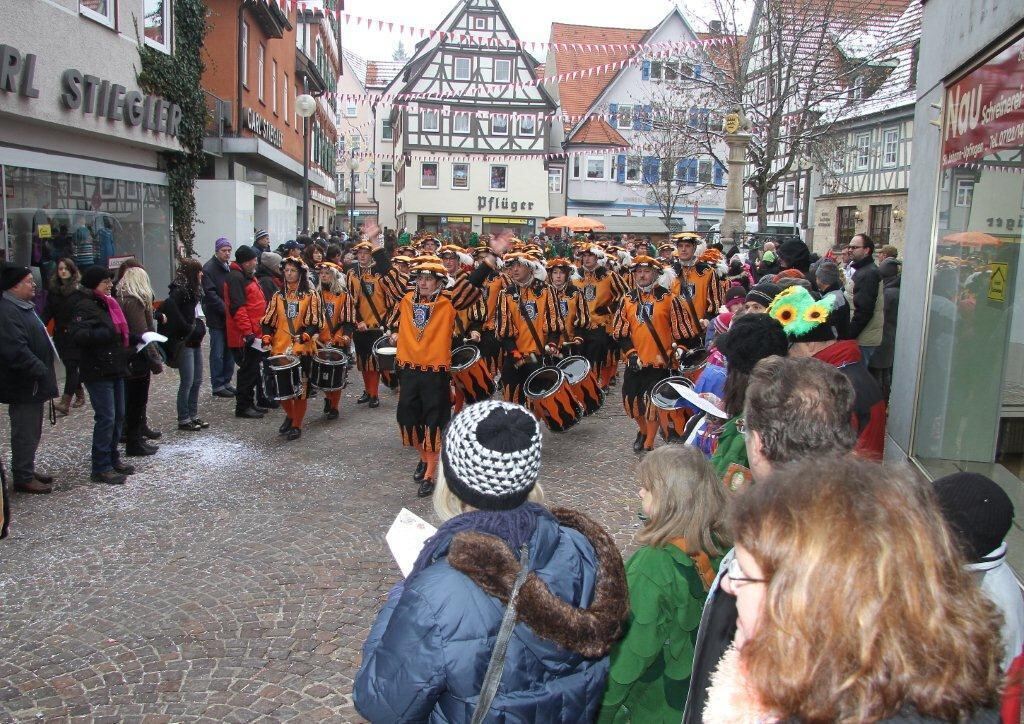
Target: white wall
281	210
225	208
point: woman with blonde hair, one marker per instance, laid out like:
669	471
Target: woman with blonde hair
853	604
684	504
135	294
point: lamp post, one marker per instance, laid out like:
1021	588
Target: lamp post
353	166
305	106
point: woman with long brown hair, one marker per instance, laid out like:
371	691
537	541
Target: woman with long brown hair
853	604
64	292
185	332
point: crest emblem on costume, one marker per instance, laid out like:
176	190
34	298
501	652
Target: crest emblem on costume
291	309
369	287
531	310
563	307
329	306
590	292
693	289
420	315
645	312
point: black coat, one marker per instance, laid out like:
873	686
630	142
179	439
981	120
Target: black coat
26	355
181	325
268	282
215	275
104	356
866	279
59	306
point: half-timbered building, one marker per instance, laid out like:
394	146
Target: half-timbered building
468	129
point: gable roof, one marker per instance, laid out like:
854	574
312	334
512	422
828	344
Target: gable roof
597	132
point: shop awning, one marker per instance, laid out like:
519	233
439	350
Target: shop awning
632	225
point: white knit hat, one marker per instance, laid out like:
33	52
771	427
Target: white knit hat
491	455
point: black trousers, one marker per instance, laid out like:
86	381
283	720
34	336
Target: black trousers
26	431
136	397
248	361
424	408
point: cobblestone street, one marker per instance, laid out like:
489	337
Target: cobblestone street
235	576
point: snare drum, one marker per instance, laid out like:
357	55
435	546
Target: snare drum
282	377
328	370
692	363
549	395
470	374
385	354
669	408
584	383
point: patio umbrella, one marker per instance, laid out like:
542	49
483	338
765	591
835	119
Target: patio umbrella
574	223
972	238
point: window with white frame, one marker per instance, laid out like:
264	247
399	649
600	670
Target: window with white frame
479	23
460	123
284	98
273	86
460	175
705	171
428	175
596	168
430	120
387	131
890	146
761	90
102	11
790	200
261	65
499	178
387	175
245	54
554	180
964	192
156	16
856	90
499	124
656	67
502	71
634	169
862	152
527	126
576	163
351	109
624	118
773	200
463	68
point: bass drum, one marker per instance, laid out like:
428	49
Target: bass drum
328	370
384	354
550	397
282	377
584	383
471	376
669	408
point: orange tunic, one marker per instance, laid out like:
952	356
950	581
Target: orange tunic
665	312
305	314
602	290
492	289
574	310
705	290
335	311
539	303
364	285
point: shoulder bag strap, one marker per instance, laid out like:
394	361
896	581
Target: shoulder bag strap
508	622
654	335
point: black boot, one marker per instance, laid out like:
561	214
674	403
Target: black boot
364	398
331	414
374	402
285	426
638	444
327	405
149	433
426	488
421	470
140	448
293	434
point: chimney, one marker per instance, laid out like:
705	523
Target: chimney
715	27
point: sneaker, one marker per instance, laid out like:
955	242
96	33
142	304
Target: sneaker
190	426
124	468
34	487
110	477
203	424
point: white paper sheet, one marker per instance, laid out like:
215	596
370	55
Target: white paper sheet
406	538
149	338
697	401
257	344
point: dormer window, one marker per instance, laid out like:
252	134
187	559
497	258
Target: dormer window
856	91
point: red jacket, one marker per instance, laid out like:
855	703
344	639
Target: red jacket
869	409
245	306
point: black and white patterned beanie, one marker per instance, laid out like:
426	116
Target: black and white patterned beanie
491	455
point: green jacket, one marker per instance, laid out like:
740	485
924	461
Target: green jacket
732	448
650	665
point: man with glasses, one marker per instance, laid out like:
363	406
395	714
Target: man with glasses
795	409
27	377
866	325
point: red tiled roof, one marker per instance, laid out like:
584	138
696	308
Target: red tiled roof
595	131
578	95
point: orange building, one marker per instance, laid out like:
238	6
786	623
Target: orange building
259	57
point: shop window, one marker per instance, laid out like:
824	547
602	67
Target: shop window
463	68
387	132
890	147
157	24
499	124
880	224
502	71
102	11
499	178
846	225
528	126
428	176
554	180
431	120
460	175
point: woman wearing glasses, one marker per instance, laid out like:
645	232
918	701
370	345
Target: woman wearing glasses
853	605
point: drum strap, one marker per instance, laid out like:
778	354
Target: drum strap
529	324
369	299
330	324
655	337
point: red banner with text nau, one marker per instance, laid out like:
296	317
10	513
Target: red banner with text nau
984	111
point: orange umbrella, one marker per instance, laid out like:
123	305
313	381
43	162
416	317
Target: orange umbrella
972	238
574	223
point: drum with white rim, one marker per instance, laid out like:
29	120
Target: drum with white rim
385	354
282	377
551	398
328	370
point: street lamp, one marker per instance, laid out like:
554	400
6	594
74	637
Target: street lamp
305	106
353	166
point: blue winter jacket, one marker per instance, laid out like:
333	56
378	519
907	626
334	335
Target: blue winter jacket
427	653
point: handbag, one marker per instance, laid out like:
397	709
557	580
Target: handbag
508	622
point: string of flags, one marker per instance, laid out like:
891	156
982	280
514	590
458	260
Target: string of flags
493	157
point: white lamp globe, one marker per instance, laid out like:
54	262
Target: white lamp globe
305	105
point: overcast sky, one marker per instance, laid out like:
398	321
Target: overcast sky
531	19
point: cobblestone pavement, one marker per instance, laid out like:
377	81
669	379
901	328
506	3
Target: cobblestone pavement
235	577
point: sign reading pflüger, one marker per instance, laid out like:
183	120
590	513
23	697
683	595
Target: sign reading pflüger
984	111
263	128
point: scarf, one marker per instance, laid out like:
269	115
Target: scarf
515	527
116	316
731	700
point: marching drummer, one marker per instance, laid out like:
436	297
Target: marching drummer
470	319
649	319
696	284
603	289
422	325
334	299
572	307
496	281
291	325
371	296
527	324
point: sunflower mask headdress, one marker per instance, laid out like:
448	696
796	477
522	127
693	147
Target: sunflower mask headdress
800	314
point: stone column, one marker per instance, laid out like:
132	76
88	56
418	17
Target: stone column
733	222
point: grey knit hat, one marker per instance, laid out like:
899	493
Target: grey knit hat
491	455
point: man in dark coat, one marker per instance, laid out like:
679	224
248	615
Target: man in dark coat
882	359
215	274
868	313
27	377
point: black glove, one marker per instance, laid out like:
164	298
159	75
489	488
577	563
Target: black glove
633	361
603	309
249	339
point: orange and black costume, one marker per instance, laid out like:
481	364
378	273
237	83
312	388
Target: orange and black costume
336	309
490	348
701	297
646	354
575	313
526	321
372	292
602	291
